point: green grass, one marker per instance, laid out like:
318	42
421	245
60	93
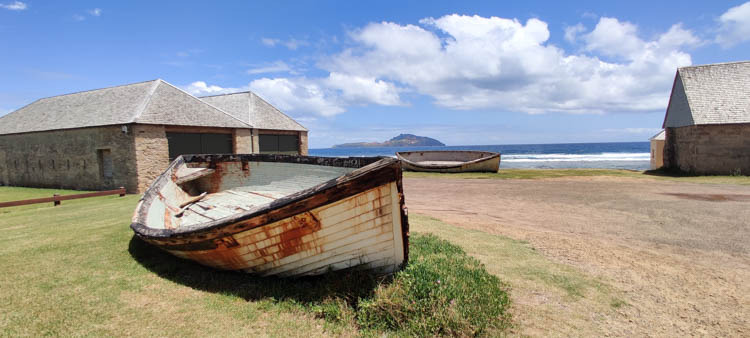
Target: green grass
571	297
442	291
556	173
77	269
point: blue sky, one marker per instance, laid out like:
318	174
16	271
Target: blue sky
465	73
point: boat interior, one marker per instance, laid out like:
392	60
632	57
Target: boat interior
199	192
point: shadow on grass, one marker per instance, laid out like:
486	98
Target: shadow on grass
668	173
350	285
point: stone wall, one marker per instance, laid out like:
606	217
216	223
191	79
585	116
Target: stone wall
709	149
303	143
657	154
68	159
151	153
243	141
71	158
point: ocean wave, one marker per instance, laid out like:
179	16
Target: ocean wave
577	157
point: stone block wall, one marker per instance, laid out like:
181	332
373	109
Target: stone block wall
68	159
243	141
151	154
303	143
709	149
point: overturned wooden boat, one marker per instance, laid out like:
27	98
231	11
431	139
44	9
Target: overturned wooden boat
278	214
450	161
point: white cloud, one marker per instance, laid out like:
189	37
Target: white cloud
15	6
275	67
269	42
95	12
734	26
473	62
291	44
571	32
298	95
78	17
200	88
363	90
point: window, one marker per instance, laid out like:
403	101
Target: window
195	143
53	164
279	144
105	163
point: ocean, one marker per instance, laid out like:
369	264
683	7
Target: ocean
615	155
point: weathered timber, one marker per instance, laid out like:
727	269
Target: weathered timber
279	214
450	161
56	199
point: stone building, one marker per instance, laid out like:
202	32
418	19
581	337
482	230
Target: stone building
657	150
126	136
708	120
273	131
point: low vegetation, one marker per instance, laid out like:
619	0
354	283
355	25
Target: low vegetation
76	269
555	173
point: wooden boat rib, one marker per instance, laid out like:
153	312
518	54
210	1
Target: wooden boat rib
278	214
450	161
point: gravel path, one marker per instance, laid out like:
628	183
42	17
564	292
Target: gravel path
679	252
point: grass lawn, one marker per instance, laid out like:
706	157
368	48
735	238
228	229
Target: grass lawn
554	173
76	269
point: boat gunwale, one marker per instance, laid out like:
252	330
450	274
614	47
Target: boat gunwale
490	155
365	166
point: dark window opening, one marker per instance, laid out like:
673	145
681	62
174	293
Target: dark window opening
195	143
53	164
68	164
278	144
105	162
15	163
39	164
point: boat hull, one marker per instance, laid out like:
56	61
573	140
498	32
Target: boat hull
355	221
449	161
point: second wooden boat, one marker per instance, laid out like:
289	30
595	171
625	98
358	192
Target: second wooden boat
278	214
450	161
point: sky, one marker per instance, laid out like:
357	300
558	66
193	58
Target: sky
465	73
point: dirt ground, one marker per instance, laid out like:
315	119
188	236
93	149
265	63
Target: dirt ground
678	252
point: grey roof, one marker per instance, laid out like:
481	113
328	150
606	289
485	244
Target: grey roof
253	110
151	102
659	136
710	94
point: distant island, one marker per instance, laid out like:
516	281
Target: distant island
403	140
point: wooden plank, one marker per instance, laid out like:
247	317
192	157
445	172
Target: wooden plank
357	256
58	198
398	241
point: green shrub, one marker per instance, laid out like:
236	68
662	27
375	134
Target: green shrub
442	291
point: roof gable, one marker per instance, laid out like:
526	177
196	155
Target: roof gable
252	109
170	105
678	110
715	94
150	102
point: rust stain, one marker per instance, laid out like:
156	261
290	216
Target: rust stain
224	256
168	219
291	241
711	197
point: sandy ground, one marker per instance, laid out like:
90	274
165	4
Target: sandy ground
678	252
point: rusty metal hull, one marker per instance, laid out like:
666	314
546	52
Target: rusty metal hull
242	212
450	161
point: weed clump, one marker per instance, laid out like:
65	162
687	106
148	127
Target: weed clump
442	291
